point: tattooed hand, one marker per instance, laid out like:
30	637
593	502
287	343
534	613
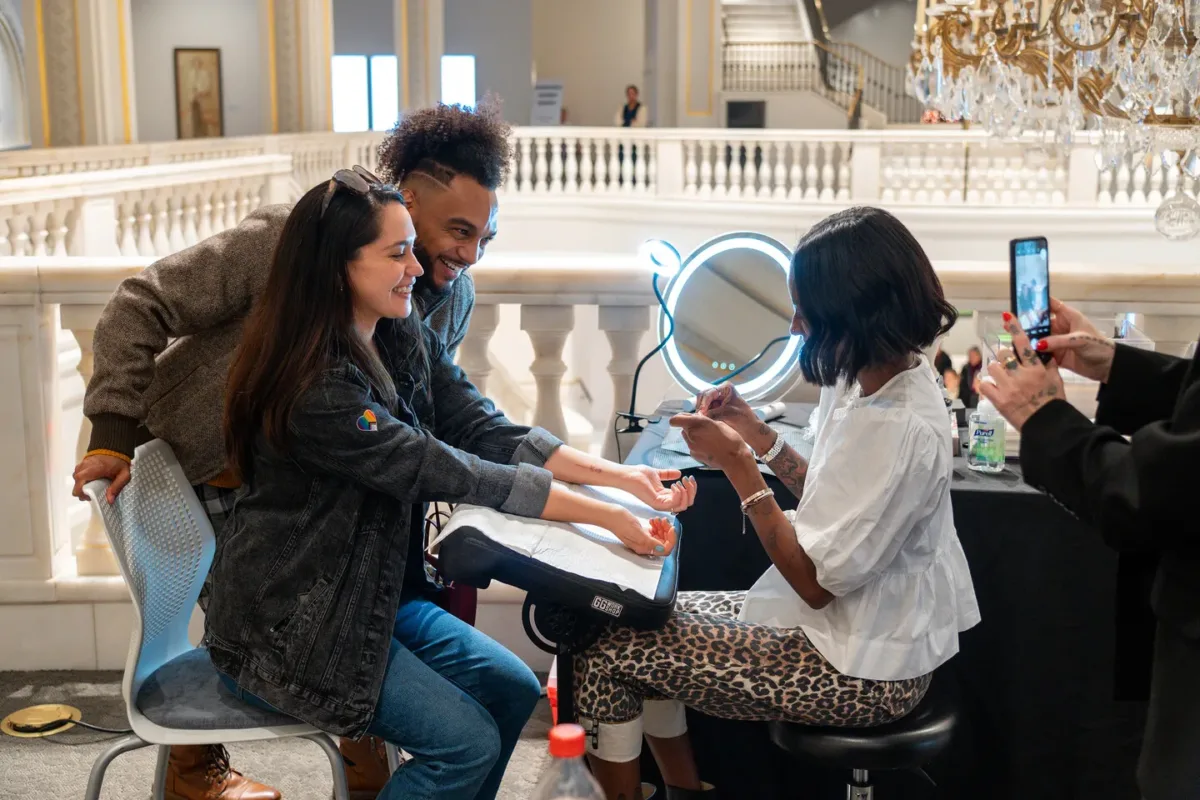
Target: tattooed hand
1019	384
1077	345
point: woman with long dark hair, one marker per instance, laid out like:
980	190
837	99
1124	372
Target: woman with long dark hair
343	416
869	586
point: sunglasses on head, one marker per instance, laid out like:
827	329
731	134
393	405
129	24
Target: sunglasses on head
358	180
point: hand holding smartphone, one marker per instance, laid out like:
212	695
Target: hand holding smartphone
1029	287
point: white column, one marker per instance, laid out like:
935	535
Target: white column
473	352
548	328
668	167
1083	176
302	31
866	161
94	555
107	82
625	326
420	42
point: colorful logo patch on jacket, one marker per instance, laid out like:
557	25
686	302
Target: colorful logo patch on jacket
368	421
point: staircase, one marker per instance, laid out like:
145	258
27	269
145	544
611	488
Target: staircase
785	46
753	22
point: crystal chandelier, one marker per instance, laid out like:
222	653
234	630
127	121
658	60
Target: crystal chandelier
1051	69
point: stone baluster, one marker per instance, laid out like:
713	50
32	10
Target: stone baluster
845	174
127	228
778	187
721	173
627	159
640	169
691	173
176	238
554	147
526	166
1154	195
1124	175
204	214
706	169
625	326
614	165
145	242
514	167
541	169
795	189
737	173
572	151
39	228
650	156
191	232
602	179
6	248
548	328
473	353
828	150
94	555
587	166
811	176
1140	176
162	240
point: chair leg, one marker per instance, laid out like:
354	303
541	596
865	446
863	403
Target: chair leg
160	773
341	789
393	756
860	787
100	766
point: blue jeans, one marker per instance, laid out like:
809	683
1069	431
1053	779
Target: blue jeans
453	699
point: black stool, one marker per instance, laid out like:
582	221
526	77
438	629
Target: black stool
906	744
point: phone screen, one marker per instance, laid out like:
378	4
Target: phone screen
1030	280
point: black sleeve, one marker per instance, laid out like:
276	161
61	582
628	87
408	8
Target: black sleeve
1137	493
1142	387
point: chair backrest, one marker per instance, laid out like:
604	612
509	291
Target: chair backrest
164	544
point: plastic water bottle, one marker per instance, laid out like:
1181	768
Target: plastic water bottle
985	452
568	777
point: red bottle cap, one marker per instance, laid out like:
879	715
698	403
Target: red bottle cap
566	741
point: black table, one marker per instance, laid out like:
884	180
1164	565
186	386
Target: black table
1035	677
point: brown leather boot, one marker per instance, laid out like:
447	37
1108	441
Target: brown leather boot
366	766
202	772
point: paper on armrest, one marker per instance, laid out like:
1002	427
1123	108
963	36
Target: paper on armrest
584	550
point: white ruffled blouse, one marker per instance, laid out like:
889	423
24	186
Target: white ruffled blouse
877	522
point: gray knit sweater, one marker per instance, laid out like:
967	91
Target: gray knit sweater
165	340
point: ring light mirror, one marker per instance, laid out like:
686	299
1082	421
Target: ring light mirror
730	302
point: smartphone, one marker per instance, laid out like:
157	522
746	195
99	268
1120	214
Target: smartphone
1029	284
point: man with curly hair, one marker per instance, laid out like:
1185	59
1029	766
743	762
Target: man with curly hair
448	161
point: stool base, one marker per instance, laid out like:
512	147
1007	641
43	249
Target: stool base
860	787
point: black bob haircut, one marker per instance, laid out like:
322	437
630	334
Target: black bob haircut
444	141
867	294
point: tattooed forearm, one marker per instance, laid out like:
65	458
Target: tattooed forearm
778	537
790	468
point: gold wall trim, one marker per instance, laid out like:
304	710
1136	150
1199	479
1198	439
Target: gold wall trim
123	45
43	86
327	6
707	111
272	74
79	78
428	70
299	69
404	82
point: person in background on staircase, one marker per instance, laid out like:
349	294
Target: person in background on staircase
448	161
633	113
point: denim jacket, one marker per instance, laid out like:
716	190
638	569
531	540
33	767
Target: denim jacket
309	569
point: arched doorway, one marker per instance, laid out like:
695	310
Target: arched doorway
14	118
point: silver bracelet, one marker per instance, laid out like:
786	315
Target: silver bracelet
774	452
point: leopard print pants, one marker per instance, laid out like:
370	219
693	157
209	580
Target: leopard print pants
707	659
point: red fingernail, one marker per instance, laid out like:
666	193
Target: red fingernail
1007	317
1042	346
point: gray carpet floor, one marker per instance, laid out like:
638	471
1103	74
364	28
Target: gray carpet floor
57	767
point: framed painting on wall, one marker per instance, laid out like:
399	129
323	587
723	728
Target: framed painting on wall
198	103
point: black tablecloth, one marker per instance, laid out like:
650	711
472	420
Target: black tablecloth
1034	677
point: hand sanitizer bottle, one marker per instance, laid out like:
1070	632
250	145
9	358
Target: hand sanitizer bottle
986	449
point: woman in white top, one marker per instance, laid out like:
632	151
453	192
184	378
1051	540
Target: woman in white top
869	587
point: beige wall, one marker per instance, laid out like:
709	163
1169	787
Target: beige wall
595	48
